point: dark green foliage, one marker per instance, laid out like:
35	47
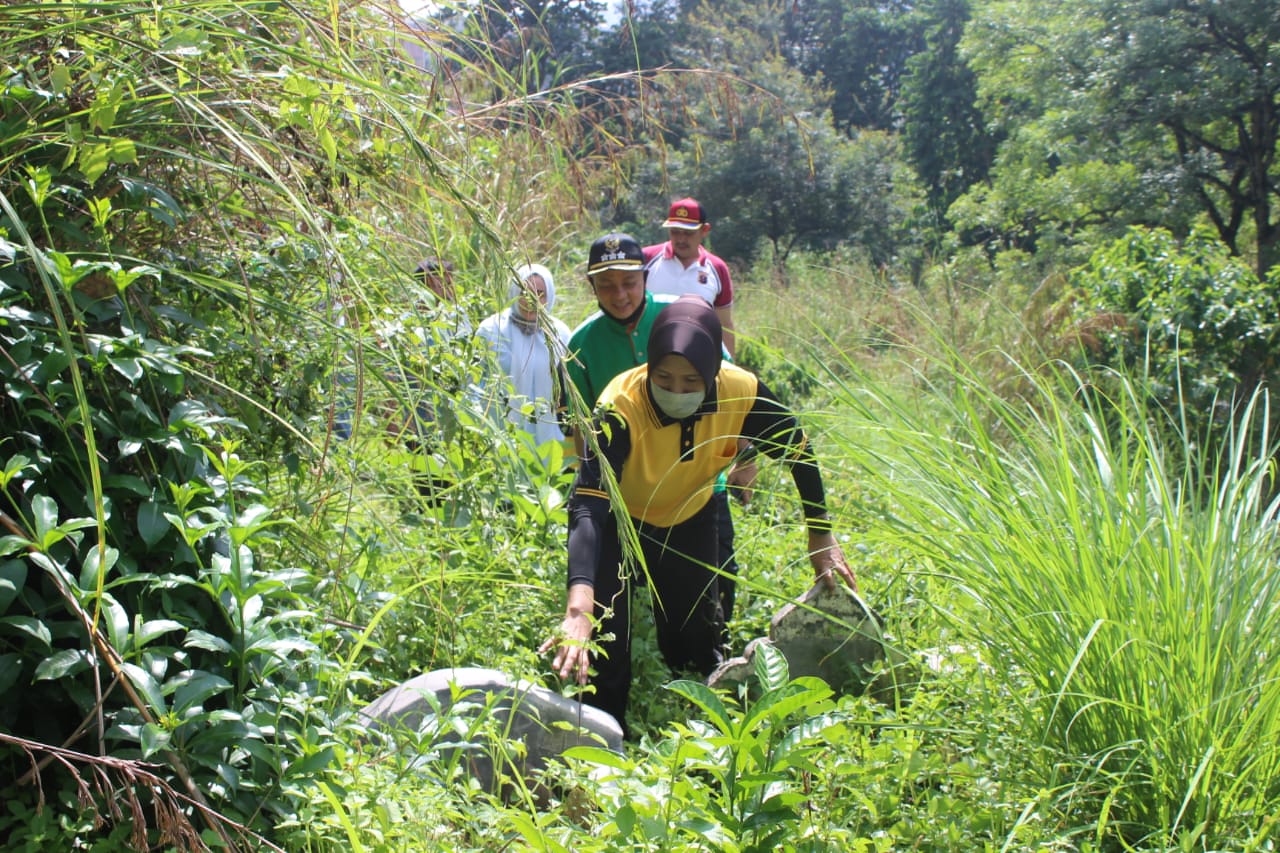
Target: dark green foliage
1192	319
1128	112
147	610
861	49
943	130
167	558
784	375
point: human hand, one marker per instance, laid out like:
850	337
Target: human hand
572	658
740	480
827	559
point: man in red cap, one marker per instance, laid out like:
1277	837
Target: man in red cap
681	265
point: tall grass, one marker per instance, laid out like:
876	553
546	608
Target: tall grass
1130	608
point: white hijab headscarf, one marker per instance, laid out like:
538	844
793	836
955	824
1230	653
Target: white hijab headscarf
523	354
526	272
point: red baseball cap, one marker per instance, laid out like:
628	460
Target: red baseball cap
685	214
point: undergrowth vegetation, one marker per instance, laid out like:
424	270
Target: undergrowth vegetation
217	545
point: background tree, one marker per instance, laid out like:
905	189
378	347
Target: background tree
759	149
859	49
943	130
1130	111
540	42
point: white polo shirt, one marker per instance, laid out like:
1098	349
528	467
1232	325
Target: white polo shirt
708	277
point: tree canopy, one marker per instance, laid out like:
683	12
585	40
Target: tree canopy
1131	111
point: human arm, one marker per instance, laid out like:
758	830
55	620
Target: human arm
572	658
776	432
590	521
725	313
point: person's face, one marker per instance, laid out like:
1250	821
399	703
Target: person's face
676	374
685	243
440	284
619	292
534	288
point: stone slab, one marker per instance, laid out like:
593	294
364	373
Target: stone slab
481	712
831	634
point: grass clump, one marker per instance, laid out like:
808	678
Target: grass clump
1127	582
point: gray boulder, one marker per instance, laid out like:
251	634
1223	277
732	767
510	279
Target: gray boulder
830	634
482	719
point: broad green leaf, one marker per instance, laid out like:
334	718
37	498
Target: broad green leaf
780	703
810	730
62	663
708	831
155	628
34	628
770	666
196	415
153	739
13	544
625	818
94	566
706	699
162	205
598	755
44	511
204	640
153	523
93	160
13	467
195	689
123	152
146	686
251	610
535	837
115	620
60	78
129	368
13	575
127	482
310	765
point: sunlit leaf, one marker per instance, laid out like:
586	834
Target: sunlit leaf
62	663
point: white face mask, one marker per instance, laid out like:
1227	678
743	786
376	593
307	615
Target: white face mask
678	406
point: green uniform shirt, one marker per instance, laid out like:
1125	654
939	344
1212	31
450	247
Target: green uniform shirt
603	347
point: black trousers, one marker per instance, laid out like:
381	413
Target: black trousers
728	558
687	610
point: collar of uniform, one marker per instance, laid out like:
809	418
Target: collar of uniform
669	252
627	327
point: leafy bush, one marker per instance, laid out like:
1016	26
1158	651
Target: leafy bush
1191	318
140	610
149	615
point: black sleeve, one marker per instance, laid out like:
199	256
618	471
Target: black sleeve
590	516
775	431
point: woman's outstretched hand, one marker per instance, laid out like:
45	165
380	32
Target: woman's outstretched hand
573	659
828	561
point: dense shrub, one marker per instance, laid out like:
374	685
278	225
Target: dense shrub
141	614
1192	319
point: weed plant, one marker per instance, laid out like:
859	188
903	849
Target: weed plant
1129	583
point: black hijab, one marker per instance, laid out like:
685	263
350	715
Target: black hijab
689	327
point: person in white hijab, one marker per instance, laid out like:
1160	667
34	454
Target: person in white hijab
528	344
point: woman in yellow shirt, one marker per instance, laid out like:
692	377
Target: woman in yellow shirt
666	429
